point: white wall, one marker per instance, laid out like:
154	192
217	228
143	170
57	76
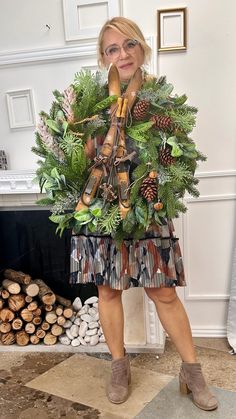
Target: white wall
205	72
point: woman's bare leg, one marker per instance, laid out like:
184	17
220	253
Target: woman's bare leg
174	320
112	319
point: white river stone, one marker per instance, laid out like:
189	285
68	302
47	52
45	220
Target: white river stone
75	342
87	339
92	311
102	339
83	328
84	309
95	305
74	330
64	340
77	304
92	325
91	332
82	341
77	321
87	318
91	300
67	324
68	333
96	317
94	340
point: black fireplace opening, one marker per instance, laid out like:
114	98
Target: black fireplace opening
29	243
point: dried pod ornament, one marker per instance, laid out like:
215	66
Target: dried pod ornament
158	206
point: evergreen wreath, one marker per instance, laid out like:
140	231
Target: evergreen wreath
159	126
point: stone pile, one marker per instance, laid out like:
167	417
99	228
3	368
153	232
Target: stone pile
83	328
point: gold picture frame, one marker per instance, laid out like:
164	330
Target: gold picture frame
171	24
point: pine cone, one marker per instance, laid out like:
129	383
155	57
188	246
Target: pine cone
149	189
165	157
161	121
140	109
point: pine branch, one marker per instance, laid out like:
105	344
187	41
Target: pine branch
110	221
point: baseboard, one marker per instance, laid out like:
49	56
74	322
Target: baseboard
209	332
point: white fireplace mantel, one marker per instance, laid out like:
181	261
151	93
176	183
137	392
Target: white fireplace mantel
143	331
18	181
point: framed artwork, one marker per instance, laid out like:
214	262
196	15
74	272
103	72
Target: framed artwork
171	25
21	110
83	18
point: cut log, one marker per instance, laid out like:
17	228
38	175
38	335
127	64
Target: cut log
51	317
61	320
6	315
30	328
1	303
16	302
33	305
11	286
28	299
59	310
22	338
57	330
37	320
40	333
17	323
45	325
8	338
45	293
17	276
37	312
48	307
63	301
5	327
26	315
68	312
31	289
49	339
5	294
34	339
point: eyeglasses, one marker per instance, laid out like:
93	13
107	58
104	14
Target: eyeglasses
114	51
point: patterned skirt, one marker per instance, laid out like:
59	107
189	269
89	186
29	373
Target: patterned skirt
154	261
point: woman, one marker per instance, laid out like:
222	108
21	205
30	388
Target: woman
122	43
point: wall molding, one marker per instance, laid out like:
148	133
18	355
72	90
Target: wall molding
77	26
21	119
68	52
216	173
207	198
211	332
37	56
12	181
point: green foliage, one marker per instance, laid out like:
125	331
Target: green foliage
110	220
138	132
82	112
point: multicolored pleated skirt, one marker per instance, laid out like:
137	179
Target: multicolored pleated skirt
154	261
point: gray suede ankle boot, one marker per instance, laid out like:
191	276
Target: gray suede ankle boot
117	389
191	380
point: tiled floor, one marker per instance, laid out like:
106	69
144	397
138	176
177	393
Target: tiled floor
66	385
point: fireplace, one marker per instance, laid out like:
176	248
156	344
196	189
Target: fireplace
29	244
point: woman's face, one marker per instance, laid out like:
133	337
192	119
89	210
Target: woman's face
125	53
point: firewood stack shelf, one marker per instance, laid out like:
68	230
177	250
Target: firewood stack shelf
31	314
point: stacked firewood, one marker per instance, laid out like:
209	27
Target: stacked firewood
30	312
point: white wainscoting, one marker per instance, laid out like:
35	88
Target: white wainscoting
208	235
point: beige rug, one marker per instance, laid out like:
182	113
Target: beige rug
83	378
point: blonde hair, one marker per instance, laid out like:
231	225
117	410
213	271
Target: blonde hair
126	27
